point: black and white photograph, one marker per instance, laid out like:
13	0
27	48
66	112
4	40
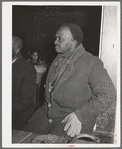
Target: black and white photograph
60	74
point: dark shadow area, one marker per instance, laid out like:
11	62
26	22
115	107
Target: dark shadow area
37	25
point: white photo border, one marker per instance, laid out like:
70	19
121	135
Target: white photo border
7	74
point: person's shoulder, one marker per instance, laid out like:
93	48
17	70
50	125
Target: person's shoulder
87	57
94	59
26	65
91	57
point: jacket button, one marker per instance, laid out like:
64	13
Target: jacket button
49	105
50	120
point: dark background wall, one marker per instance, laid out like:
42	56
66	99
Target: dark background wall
37	25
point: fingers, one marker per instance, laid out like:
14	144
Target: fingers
77	131
67	126
73	132
70	130
65	119
73	125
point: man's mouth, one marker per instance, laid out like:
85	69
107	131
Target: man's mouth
56	47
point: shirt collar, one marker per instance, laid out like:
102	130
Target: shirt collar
14	60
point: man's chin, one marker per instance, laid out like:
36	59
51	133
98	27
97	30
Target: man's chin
58	50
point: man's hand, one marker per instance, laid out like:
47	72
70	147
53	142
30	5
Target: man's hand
73	125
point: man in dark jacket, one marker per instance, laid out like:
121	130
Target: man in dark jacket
23	86
78	88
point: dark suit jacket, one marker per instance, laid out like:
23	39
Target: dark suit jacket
23	92
84	88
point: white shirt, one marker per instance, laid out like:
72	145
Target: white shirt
14	60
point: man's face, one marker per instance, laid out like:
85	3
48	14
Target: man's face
64	39
15	50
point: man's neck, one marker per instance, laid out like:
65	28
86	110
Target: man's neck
69	53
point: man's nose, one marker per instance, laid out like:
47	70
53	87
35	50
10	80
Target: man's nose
56	41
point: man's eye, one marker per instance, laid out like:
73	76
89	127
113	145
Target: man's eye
59	39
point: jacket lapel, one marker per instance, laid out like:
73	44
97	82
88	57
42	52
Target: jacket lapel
69	67
67	72
49	78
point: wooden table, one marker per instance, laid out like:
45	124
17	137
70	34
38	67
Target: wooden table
19	136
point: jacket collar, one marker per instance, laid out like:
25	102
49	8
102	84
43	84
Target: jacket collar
18	60
79	51
76	54
69	66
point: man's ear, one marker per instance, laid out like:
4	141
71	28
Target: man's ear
74	43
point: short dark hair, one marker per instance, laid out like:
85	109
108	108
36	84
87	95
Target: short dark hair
76	32
35	51
17	42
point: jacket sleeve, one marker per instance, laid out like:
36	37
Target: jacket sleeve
27	92
103	93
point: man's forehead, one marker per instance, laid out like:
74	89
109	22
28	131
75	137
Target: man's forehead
14	41
63	31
